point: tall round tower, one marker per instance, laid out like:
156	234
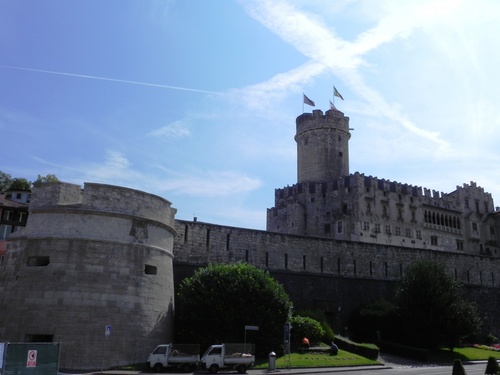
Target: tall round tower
91	270
322	146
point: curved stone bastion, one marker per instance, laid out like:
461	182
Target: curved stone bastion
92	270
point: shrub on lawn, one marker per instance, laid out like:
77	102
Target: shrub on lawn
306	327
369	351
492	368
458	368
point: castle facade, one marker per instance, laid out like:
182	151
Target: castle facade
329	202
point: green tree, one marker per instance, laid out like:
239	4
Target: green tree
49	178
432	308
20	184
5	181
218	301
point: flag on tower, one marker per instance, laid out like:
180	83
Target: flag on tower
332	106
336	93
308	101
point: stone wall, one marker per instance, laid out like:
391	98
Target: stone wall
336	276
86	260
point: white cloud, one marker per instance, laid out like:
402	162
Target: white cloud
206	183
177	129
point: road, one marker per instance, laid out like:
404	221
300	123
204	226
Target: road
470	369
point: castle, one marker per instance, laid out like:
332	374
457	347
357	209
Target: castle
109	256
329	202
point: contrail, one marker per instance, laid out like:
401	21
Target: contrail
113	80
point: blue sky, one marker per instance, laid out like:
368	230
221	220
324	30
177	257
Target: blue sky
196	100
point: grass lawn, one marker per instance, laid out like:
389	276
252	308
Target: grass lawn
465	354
343	358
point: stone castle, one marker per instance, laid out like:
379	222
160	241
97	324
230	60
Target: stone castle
96	269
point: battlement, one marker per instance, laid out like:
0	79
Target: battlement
355	180
318	120
104	198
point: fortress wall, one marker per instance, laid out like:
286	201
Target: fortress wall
335	276
208	243
77	268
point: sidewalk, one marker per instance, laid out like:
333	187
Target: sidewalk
280	371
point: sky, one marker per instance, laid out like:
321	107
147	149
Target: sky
195	101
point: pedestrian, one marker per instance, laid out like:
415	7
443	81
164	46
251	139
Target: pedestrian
305	343
334	350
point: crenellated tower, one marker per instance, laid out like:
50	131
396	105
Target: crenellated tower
322	146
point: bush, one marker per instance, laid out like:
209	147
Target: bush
218	301
319	315
492	368
458	368
306	327
369	351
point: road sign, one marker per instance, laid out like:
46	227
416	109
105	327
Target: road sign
31	361
251	328
108	330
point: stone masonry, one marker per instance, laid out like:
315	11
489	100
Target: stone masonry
87	260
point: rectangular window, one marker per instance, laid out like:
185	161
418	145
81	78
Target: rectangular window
408	232
377	228
322	264
304	263
227	240
286	261
387	229
398	231
339	227
150	270
327	228
434	240
460	245
418	234
38	261
208	238
38	338
366	225
267	258
474	227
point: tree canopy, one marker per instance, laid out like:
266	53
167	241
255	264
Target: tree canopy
218	301
432	307
5	181
20	184
48	178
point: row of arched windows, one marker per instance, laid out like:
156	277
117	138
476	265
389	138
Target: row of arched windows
445	220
